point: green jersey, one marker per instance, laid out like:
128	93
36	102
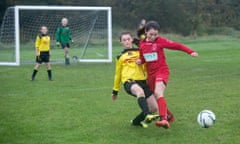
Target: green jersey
63	35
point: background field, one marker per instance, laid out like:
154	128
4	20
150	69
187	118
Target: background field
76	108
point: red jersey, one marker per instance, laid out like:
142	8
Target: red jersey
152	53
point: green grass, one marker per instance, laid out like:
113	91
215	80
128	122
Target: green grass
27	52
76	108
7	53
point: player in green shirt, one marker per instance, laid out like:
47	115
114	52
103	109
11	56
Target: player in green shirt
63	37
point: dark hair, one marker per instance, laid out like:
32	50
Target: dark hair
124	33
152	25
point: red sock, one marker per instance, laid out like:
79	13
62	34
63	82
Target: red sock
162	106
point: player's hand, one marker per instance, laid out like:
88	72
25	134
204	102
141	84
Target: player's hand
114	97
138	61
72	41
194	54
57	44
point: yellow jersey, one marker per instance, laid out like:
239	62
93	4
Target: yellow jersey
43	43
126	68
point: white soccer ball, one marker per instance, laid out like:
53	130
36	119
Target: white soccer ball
206	118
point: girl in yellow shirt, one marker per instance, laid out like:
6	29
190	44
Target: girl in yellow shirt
42	47
133	78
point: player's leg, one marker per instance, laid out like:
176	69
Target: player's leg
66	51
144	95
36	67
138	91
152	104
162	105
46	59
153	107
66	55
35	70
49	71
151	100
157	84
159	92
132	88
65	47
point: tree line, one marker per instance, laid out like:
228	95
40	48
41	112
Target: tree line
186	17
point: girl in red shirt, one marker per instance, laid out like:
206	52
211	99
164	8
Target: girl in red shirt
152	53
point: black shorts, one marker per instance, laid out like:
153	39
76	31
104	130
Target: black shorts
64	45
44	57
142	83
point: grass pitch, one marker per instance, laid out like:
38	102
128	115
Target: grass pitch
76	108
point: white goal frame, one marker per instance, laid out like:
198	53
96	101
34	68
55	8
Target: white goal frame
17	30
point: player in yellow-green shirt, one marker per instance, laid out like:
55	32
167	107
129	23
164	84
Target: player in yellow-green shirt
133	77
42	49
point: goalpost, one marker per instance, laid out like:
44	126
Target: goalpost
91	29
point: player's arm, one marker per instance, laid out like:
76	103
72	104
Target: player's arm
57	36
117	79
37	45
70	36
177	46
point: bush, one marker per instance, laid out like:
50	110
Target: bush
224	31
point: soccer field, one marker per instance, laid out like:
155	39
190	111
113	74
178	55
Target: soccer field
76	108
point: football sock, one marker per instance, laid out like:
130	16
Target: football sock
34	74
137	120
49	74
143	105
162	108
67	61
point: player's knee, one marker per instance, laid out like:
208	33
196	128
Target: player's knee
138	91
37	66
158	93
159	90
48	66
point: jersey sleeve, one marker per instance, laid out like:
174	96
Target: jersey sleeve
37	42
175	46
117	76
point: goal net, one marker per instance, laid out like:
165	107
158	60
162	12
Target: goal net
90	29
